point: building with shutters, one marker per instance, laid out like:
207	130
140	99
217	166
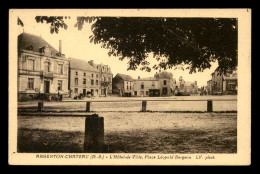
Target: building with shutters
123	85
149	86
167	83
223	84
84	79
105	77
186	87
41	68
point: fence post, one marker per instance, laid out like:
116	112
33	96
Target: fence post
144	106
94	134
209	106
88	107
40	106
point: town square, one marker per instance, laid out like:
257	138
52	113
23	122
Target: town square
152	86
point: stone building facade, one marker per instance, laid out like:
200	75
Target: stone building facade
186	88
105	77
84	79
223	84
144	87
167	83
41	68
123	85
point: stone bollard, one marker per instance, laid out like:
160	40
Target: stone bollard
88	107
94	134
144	106
209	106
40	106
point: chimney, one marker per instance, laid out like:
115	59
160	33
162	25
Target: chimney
60	47
138	77
91	62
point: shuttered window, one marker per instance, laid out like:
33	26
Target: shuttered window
30	83
31	64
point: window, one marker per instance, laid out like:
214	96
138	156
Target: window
130	87
30	83
76	90
127	87
76	72
59	85
135	92
92	75
164	82
97	76
153	84
96	82
105	79
47	66
147	93
84	81
84	74
76	81
60	69
92	82
31	65
142	85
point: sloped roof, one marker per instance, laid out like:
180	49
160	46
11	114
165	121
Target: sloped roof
81	65
124	77
148	78
186	83
163	74
25	40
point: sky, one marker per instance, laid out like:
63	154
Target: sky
76	44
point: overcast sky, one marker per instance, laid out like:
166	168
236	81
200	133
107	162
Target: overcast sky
76	44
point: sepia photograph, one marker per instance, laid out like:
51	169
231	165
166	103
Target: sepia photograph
129	86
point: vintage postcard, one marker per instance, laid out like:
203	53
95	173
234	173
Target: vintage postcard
129	87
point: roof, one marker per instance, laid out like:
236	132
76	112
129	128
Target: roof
81	65
124	77
230	78
148	79
163	74
186	83
25	40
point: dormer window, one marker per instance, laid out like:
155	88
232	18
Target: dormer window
45	50
30	47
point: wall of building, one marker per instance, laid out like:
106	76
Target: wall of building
222	84
107	78
148	84
117	85
169	85
128	87
39	74
96	87
105	73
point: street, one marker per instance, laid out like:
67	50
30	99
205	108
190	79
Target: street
220	103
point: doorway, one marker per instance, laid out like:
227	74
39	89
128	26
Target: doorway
46	86
164	91
84	92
